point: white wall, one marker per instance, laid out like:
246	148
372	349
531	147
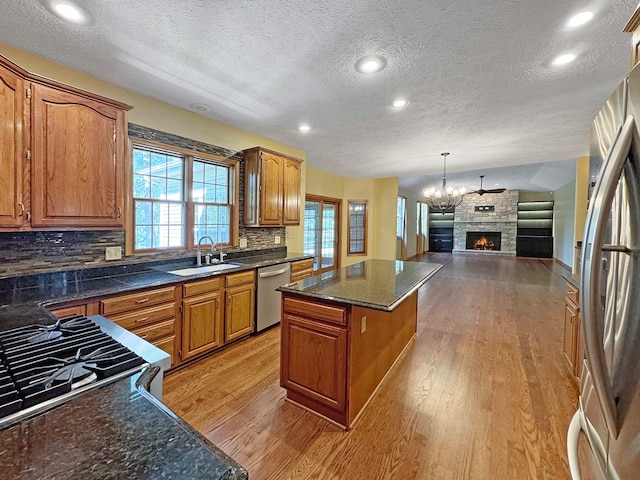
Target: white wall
563	223
412	212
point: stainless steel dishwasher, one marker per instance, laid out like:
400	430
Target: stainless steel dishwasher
268	306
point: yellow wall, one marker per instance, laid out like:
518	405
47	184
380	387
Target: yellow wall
148	111
582	193
381	195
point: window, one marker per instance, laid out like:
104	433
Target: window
357	227
179	196
321	232
401	210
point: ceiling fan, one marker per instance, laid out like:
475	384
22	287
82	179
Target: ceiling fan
482	191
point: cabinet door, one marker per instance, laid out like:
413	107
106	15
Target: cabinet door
239	312
78	149
314	361
202	328
12	94
570	345
291	211
271	189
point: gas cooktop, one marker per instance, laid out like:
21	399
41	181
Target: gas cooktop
42	366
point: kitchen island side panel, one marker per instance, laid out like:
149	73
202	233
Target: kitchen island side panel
373	352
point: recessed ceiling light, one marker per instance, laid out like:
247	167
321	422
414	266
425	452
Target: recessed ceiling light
370	64
304	128
579	19
399	103
69	12
564	59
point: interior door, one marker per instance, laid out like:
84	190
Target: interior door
322	232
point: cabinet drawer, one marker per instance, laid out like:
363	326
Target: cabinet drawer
144	316
301	276
319	311
156	331
203	286
67	311
137	300
572	294
239	278
168	345
302	265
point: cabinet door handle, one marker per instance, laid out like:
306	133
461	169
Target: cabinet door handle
143	300
21	205
142	319
119	212
144	336
28	216
217	303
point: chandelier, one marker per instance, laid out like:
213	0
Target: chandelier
445	198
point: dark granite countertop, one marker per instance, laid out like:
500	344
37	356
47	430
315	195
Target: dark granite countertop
113	431
24	300
377	284
573	279
116	431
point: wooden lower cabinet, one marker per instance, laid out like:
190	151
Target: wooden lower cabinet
185	320
301	269
316	363
202	327
239	311
572	343
150	314
334	356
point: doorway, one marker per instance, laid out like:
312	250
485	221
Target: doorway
322	232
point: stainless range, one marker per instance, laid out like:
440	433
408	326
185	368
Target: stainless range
42	366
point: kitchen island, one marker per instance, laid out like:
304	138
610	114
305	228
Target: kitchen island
342	332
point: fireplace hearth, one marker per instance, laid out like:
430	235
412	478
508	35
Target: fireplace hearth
484	241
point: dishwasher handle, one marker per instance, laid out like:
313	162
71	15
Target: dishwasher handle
273	273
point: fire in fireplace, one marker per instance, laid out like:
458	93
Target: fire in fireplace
483	240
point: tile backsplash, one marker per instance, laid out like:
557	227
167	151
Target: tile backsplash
23	253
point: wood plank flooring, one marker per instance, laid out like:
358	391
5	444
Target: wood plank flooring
483	393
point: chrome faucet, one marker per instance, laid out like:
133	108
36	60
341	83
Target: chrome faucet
199	252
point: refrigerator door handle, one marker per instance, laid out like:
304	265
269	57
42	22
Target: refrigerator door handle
573	434
590	281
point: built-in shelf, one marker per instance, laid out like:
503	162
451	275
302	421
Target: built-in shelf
535	229
441	231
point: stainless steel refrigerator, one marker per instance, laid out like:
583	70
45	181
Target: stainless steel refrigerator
603	440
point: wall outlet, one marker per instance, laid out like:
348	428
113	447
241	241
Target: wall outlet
277	239
363	324
113	253
243	243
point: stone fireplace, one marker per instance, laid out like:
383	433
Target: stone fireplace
472	217
484	240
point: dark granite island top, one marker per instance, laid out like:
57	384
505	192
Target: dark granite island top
343	331
377	284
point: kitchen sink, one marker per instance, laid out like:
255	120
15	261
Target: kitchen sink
185	272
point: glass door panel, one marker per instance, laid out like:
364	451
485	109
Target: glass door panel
321	233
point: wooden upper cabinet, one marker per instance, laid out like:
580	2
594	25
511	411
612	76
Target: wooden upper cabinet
78	150
272	188
292	178
12	159
62	154
633	27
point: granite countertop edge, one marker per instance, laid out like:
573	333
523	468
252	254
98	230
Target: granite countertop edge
573	279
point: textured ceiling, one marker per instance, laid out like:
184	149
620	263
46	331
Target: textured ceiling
478	74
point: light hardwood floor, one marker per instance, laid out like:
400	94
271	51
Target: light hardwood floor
483	392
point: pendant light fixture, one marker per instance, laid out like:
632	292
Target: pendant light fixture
445	198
